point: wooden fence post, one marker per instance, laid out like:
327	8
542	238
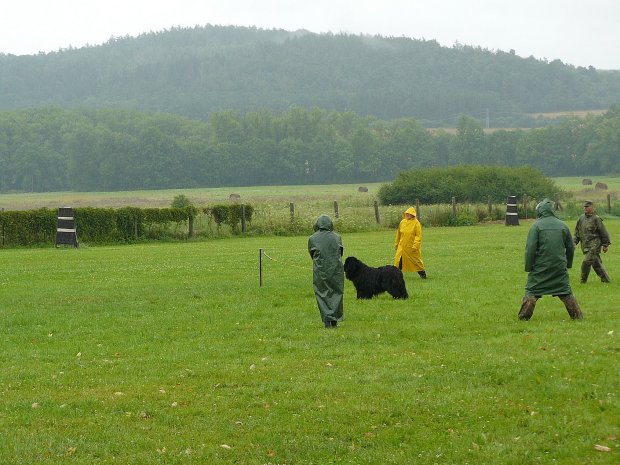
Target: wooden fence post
336	211
490	206
377	216
608	203
190	233
292	208
243	218
417	209
454	206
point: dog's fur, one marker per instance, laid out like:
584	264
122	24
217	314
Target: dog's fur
369	281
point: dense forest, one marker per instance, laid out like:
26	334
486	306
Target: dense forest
194	72
58	149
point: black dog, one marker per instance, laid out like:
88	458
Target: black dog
369	281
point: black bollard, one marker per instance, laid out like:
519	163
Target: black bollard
512	215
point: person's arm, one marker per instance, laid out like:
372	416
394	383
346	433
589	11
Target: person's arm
570	249
531	245
604	235
576	237
417	238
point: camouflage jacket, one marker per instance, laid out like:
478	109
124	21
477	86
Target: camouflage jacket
591	232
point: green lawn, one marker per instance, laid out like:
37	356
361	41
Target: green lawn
173	354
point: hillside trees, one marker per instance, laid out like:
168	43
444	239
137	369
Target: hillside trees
54	149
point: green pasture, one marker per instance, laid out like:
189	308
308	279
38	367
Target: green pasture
173	354
198	196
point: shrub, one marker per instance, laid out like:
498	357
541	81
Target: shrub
476	184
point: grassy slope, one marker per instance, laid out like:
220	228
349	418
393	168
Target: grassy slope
166	353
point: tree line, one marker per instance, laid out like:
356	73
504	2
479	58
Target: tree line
55	149
194	72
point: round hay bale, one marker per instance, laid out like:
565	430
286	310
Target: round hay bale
601	186
362	189
586	182
234	197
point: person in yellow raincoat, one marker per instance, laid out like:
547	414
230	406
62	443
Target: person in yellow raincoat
408	244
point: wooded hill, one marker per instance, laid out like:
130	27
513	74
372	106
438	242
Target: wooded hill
194	72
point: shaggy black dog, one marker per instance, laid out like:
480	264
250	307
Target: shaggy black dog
369	281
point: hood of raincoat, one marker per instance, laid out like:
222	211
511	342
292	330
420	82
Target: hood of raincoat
411	211
324	223
544	209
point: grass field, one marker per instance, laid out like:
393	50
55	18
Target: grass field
173	354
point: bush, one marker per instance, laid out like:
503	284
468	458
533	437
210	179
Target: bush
475	184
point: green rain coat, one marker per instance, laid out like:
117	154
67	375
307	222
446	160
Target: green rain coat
548	254
325	247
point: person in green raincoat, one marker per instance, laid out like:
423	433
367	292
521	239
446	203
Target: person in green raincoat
408	244
325	248
549	252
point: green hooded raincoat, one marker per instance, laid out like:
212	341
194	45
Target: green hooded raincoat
325	247
549	253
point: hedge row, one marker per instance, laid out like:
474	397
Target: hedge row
107	225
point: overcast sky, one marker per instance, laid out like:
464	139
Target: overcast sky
578	32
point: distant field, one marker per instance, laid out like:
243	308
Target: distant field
581	192
262	194
577	113
206	196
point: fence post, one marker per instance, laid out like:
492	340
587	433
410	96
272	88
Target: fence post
525	205
454	206
243	218
190	233
336	212
2	229
490	205
377	216
292	208
608	203
260	267
417	209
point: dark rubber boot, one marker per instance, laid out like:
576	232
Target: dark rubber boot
572	307
328	324
527	307
585	271
422	274
599	269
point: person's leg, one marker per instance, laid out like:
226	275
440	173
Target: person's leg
585	271
527	307
599	269
422	274
572	307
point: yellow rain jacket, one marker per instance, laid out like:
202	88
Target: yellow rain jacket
408	243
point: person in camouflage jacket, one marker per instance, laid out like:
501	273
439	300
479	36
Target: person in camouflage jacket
591	232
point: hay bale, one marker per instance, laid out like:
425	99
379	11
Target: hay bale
601	186
234	197
362	189
586	182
